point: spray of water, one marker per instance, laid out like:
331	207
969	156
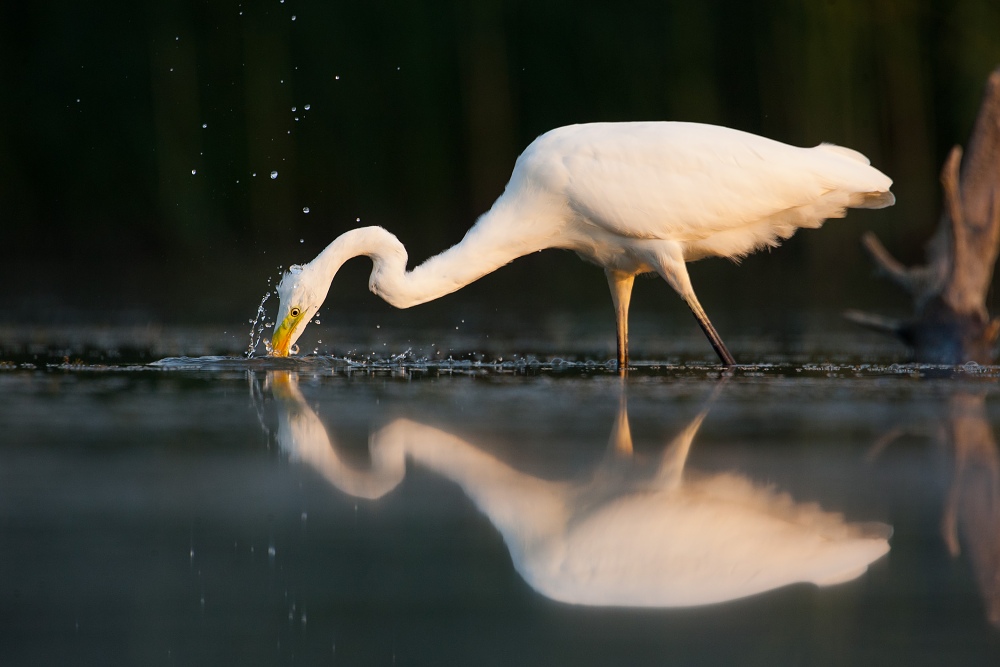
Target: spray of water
257	326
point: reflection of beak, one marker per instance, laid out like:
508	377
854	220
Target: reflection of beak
283	385
282	339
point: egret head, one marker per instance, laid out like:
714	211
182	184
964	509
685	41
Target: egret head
301	292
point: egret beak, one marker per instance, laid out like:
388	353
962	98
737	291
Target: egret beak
281	341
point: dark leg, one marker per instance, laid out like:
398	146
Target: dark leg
711	333
674	270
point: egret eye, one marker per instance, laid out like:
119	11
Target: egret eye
294	312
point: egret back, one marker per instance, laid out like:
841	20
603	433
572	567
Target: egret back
716	190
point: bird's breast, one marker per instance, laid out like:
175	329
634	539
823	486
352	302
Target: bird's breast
613	252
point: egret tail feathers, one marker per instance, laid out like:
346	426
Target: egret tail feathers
872	199
846	152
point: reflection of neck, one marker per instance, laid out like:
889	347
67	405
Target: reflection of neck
303	435
522	507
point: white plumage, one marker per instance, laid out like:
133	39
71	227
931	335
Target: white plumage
630	197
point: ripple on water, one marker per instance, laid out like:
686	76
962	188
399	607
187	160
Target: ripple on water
408	362
223	363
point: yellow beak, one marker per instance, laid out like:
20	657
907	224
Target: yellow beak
282	338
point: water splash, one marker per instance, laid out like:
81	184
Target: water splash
257	326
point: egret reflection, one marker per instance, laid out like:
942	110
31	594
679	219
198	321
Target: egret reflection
635	534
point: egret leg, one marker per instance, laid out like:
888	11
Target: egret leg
673	269
713	335
621	294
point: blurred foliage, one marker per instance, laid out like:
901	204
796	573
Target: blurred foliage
145	133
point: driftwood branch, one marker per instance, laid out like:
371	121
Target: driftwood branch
951	324
879	323
913	280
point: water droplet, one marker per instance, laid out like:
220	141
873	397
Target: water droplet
274	175
305	209
204	126
293	17
194	171
294	109
336	78
302	240
307	107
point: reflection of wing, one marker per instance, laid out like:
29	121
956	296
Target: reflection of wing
711	540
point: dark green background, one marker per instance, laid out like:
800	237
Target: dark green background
417	111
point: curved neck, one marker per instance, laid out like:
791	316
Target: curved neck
486	247
386	252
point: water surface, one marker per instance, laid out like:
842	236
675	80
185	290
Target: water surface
214	510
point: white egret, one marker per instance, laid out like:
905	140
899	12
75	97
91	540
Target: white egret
630	197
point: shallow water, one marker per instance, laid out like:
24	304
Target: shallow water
534	510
